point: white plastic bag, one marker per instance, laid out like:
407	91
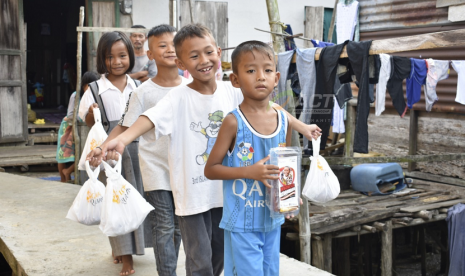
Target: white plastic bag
95	138
87	205
124	209
322	184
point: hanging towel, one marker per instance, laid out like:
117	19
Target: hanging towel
346	20
416	79
456	239
384	75
283	96
459	67
306	70
437	70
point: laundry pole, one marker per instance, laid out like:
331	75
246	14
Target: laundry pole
276	28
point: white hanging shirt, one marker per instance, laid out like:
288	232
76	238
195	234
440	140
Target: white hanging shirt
346	21
459	66
113	99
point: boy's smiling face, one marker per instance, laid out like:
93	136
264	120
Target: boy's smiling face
161	48
256	75
199	56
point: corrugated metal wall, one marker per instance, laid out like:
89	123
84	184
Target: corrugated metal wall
393	18
378	15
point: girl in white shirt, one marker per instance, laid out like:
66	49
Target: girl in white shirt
115	58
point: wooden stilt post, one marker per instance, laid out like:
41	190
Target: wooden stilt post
192	10
386	250
328	252
413	138
304	228
77	140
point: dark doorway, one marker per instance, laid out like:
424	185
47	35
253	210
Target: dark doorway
51	50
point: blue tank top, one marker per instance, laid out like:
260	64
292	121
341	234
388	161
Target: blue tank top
244	206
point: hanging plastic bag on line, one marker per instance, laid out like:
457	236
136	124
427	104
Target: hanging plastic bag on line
87	205
284	196
95	138
124	208
322	184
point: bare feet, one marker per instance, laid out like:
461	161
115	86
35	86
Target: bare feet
127	266
67	172
117	259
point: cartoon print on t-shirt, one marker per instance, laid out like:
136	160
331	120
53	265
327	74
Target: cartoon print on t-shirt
211	132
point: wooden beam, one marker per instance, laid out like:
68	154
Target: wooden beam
317	254
10	52
438	205
387	159
11	83
386	250
328	252
333	20
413	137
192	10
111	29
436	178
304	228
454	38
447	3
350	132
77	139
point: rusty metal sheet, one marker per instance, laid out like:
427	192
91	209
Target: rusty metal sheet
394	14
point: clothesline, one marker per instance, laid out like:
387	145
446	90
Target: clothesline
452	38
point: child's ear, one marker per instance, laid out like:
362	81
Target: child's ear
234	80
276	78
149	54
180	64
219	51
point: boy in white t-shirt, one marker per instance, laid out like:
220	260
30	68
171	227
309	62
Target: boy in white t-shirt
153	154
191	116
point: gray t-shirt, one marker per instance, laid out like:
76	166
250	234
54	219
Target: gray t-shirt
153	154
142	63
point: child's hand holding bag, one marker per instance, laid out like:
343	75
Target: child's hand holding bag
124	208
87	205
322	184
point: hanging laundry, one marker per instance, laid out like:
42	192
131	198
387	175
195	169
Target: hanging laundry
306	70
320	44
374	67
455	239
400	70
343	92
437	70
324	101
289	44
459	67
283	96
384	75
346	20
358	53
416	79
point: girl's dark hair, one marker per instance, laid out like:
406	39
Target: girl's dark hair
160	30
104	49
87	78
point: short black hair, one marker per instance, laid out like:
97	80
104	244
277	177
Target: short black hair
104	49
138	27
191	31
160	30
249	47
88	77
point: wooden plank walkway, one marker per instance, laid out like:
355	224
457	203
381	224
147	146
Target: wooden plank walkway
27	155
36	239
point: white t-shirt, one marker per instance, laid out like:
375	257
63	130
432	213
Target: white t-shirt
153	154
112	98
459	66
192	121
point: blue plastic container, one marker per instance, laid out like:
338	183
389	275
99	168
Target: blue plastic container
366	177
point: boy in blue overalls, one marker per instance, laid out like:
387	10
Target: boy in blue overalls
251	236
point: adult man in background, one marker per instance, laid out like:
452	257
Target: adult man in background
144	68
